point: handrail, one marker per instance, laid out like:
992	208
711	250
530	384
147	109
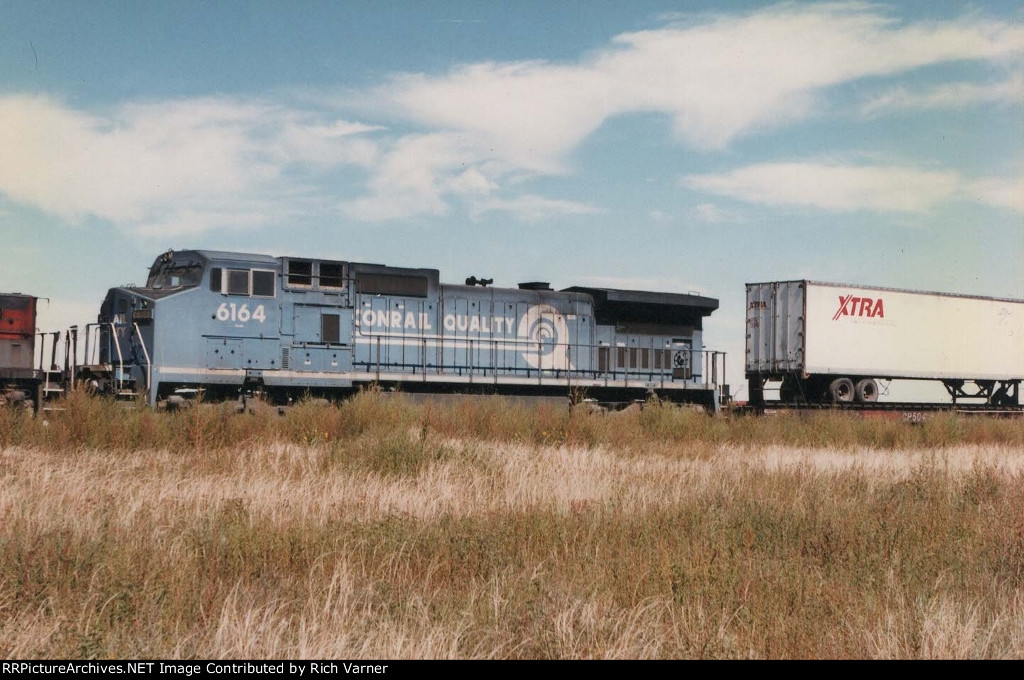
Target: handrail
42	349
69	377
89	327
702	367
55	335
120	357
145	353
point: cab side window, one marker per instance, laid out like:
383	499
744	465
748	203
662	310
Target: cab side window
262	283
238	282
256	282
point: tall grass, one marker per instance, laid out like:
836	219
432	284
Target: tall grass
488	528
97	423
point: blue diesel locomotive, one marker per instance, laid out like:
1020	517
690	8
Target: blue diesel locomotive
217	323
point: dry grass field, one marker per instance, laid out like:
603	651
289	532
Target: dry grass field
492	529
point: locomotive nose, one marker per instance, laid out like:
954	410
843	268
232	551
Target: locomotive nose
119	345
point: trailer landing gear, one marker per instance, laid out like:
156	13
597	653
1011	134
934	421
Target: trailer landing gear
994	392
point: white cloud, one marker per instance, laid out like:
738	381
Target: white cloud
198	219
190	165
1004	193
710	213
533	208
948	96
718	77
299	139
840	188
529	113
176	167
415	175
472	181
835	187
344	128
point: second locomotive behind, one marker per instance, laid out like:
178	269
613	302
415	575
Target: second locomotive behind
20	381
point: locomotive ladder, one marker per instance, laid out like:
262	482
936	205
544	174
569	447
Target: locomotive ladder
120	360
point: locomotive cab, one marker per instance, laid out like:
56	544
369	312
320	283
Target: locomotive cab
121	345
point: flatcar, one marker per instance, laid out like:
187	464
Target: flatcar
216	323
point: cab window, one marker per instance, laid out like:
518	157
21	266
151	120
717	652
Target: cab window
238	281
175	275
262	283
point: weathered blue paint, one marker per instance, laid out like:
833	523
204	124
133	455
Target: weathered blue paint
223	320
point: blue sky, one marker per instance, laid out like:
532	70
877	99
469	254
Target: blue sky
669	146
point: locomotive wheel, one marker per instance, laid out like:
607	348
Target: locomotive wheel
841	390
866	391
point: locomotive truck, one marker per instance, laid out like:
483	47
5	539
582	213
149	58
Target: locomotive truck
216	323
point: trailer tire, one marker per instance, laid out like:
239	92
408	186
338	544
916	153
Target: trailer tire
841	390
866	391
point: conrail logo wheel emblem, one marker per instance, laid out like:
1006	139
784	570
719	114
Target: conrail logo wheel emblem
859	306
546	333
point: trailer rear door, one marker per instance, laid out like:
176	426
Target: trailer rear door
775	328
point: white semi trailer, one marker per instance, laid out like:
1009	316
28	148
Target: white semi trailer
833	342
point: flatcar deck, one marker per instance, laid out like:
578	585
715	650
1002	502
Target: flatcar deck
894	409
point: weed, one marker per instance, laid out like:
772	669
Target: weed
381	527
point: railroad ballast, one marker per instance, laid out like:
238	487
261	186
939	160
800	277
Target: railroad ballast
833	342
